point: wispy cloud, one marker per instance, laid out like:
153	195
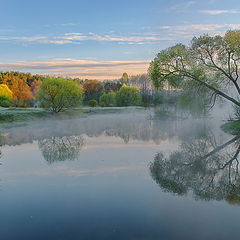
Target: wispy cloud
77	38
61	25
187	31
200	27
218	12
182	7
70	171
80	68
157	34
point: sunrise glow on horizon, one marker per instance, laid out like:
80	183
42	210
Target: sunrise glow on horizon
102	39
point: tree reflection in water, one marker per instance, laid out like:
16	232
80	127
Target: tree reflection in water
61	148
208	171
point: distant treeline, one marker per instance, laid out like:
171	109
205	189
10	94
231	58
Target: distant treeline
21	90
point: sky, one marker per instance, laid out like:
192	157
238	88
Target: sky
101	39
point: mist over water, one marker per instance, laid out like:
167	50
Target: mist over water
129	174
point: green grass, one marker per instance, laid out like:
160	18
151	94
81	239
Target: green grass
10	116
103	110
19	116
232	127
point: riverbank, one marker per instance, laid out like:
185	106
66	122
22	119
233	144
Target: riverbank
10	116
15	116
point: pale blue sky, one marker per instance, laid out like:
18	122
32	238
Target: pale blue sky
102	39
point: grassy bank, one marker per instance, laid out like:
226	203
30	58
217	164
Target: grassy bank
19	116
15	116
232	127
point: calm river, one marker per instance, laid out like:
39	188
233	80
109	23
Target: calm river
120	175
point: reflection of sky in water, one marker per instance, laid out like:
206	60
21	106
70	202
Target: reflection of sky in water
108	191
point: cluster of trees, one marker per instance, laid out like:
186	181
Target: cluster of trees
111	93
125	96
104	93
24	90
56	94
94	89
18	89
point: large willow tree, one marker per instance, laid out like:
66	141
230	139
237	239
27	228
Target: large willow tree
209	63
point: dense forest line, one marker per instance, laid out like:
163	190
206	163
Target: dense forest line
19	89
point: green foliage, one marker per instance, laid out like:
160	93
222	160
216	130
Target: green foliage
5	101
109	86
20	103
92	103
155	75
124	78
128	96
57	94
212	62
9	115
159	97
165	68
232	127
196	103
108	99
92	90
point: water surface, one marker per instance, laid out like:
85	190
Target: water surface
122	175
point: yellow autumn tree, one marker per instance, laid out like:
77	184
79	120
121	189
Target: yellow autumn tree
5	91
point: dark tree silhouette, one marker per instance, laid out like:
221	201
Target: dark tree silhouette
208	171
